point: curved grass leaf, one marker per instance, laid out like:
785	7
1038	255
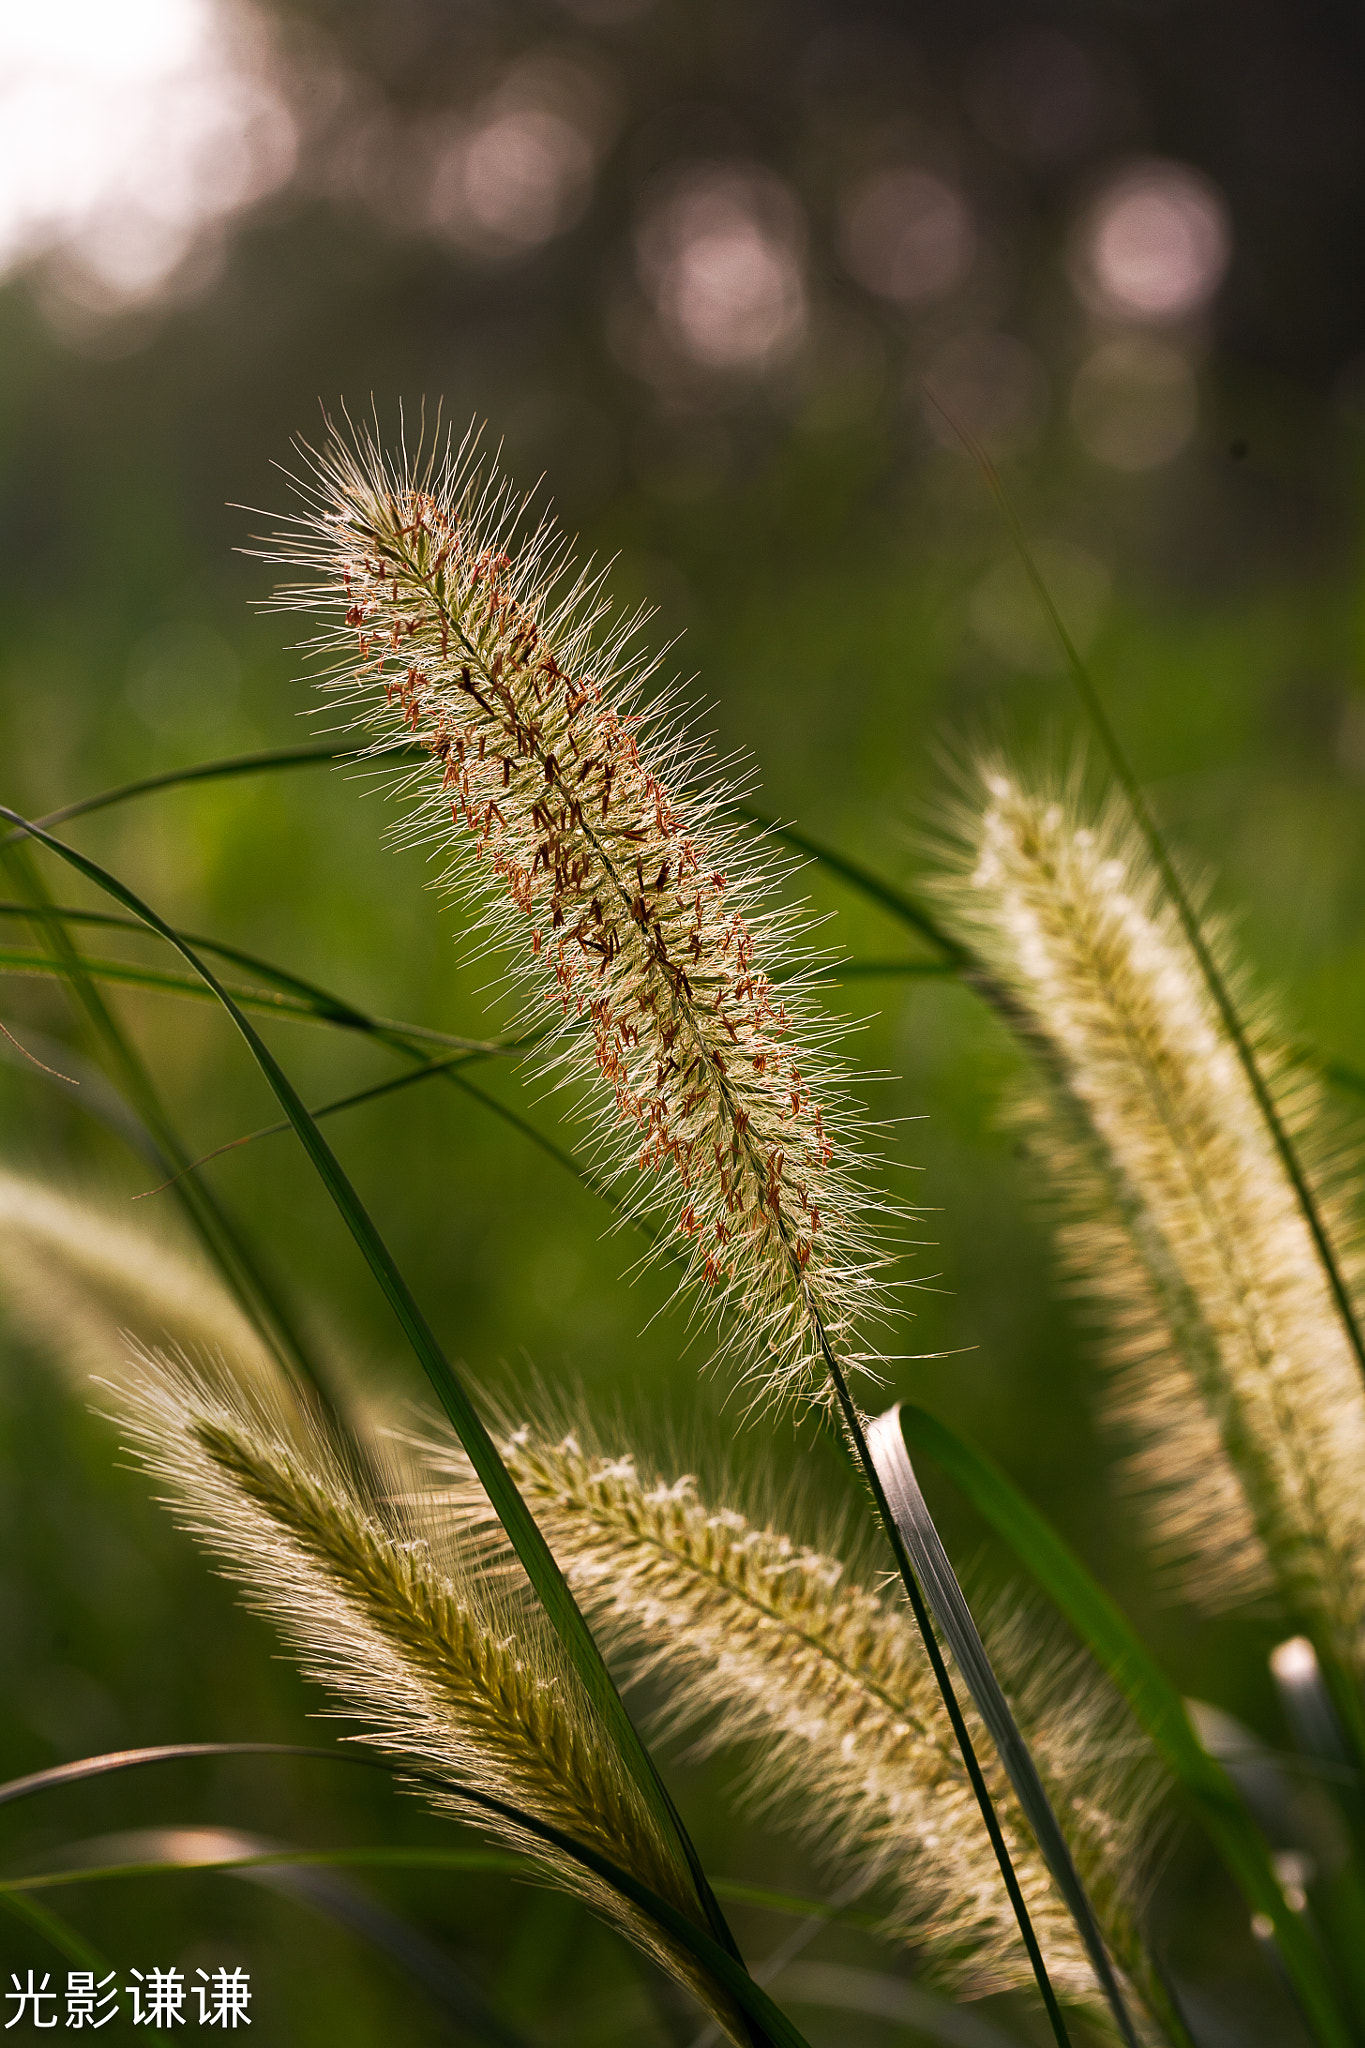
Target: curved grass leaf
228	767
770	2024
903	906
887	1445
856	1440
544	1574
1155	1703
321	1003
255	1860
273	1002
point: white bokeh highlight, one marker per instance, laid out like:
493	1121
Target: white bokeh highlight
519	170
127	133
721	257
1154	245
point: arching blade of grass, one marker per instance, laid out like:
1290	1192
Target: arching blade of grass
1154	1701
906	908
316	753
146	1852
162	981
499	1862
321	1003
935	1572
872	886
543	1573
58	1777
318	1006
241	1265
770	2023
314	1006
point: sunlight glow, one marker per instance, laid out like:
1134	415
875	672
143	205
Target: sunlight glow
125	132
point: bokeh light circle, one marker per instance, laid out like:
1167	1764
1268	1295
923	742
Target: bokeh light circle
908	235
721	257
1134	403
1154	245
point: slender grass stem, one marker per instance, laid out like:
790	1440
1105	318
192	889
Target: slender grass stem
522	1530
856	1437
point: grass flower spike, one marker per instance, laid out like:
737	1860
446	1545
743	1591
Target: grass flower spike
79	1279
761	1640
437	1666
573	808
1231	1364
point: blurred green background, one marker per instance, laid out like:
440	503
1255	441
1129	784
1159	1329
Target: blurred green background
696	265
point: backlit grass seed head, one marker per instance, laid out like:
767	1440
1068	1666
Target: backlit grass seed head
762	1641
78	1278
375	1599
1231	1363
572	805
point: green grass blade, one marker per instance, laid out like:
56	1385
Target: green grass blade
68	1869
936	1575
771	2024
874	887
498	1862
322	1003
227	768
1155	1703
254	1860
57	1777
522	1530
270	1002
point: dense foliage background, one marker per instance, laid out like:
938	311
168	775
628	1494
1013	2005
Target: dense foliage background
694	264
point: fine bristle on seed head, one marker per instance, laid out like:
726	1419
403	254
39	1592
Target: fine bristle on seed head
765	1643
572	805
1231	1366
452	1669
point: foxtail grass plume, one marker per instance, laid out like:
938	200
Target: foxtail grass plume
1231	1367
78	1280
761	1641
440	1666
570	804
